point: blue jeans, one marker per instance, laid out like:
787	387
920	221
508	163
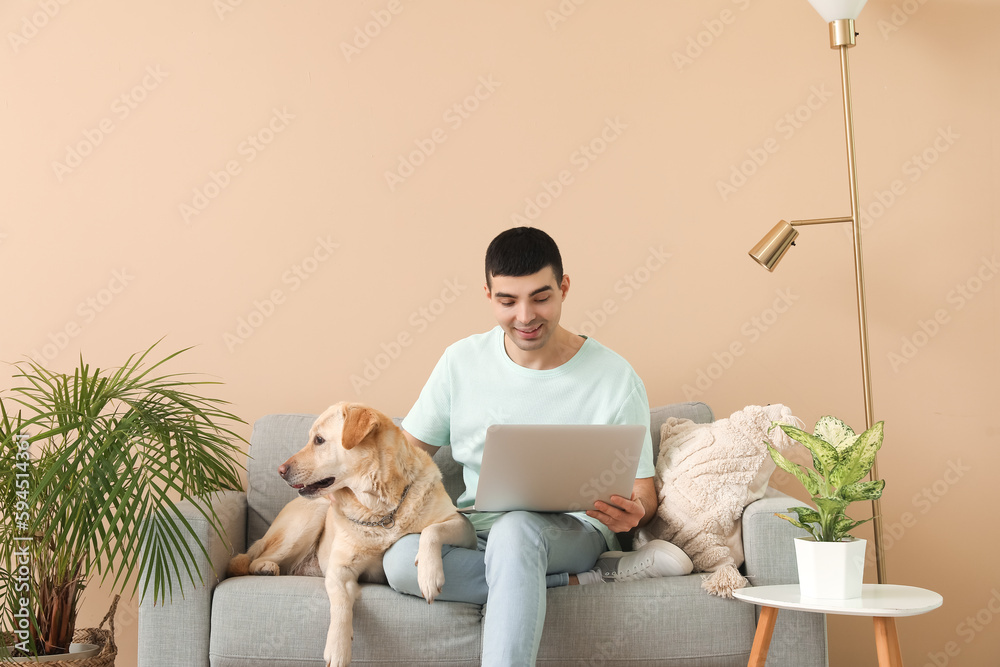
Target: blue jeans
521	555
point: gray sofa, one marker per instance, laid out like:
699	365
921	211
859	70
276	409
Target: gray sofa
282	621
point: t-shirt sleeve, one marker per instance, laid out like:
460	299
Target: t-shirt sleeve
429	420
635	410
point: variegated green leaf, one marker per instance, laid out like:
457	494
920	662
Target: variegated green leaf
858	459
862	491
830	506
825	455
805	514
835	432
808	529
807	477
844	526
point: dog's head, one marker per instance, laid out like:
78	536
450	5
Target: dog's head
341	449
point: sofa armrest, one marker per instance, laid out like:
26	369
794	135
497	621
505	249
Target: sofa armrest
768	546
176	633
799	638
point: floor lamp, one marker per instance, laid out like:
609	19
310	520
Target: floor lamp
840	14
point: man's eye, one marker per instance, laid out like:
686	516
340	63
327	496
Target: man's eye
319	440
541	300
507	304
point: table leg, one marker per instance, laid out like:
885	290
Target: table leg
762	638
887	642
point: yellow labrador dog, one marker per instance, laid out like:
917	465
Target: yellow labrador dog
361	487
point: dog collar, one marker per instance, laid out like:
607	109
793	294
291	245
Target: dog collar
388	521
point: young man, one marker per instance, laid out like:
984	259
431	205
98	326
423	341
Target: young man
530	370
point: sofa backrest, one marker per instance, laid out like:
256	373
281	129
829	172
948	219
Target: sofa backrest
276	437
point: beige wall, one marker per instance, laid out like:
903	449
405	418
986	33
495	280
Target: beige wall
142	234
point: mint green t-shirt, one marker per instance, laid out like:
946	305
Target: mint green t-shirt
475	384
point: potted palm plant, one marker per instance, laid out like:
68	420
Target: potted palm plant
831	561
85	460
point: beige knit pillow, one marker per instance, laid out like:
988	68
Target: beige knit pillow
706	474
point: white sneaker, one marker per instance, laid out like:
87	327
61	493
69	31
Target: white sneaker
658	558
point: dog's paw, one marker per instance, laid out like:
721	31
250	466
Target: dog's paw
264	568
337	653
239	566
430	578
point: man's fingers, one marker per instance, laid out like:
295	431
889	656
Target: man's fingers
621	515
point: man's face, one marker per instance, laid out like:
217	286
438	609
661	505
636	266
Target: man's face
528	307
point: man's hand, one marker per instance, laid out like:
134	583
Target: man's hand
624	514
621	516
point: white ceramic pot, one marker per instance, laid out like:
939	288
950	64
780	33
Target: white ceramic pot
830	570
76	652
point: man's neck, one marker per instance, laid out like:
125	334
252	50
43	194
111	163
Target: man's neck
562	347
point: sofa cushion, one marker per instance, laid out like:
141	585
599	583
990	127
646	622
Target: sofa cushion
276	437
282	621
666	621
696	411
705	475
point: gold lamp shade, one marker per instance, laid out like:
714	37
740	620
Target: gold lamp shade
772	247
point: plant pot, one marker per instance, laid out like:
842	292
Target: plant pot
76	652
830	570
93	647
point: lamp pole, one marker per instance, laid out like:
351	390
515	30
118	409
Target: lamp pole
842	37
776	242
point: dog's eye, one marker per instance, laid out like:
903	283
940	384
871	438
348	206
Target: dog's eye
319	440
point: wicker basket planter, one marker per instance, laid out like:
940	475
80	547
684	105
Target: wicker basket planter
103	639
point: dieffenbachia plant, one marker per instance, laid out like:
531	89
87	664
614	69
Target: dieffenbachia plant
841	459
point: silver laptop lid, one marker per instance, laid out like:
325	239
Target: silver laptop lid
557	468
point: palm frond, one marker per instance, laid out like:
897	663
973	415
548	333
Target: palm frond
116	452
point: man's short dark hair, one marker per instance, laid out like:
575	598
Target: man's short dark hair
522	251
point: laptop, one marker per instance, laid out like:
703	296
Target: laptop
556	467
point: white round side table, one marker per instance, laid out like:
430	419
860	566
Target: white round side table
883	602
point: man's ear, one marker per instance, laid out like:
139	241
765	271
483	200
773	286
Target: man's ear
359	422
489	292
564	285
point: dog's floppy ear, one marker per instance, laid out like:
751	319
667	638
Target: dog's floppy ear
359	422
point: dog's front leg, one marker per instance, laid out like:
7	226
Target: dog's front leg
456	531
343	589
